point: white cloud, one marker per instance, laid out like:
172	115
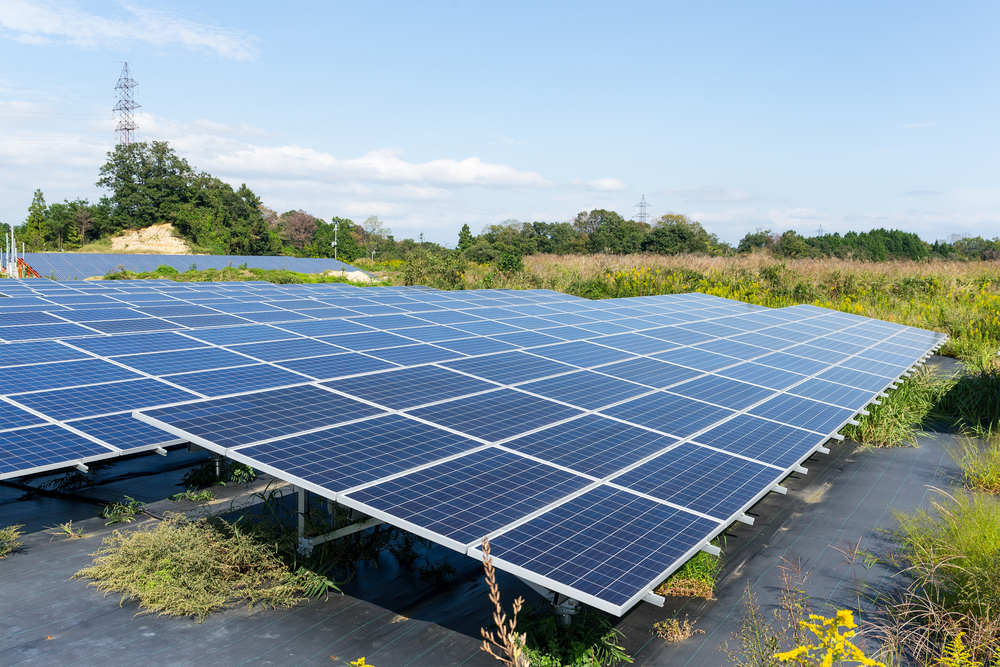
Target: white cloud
607	185
707	193
41	23
506	141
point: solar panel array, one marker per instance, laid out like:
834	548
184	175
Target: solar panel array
77	266
598	444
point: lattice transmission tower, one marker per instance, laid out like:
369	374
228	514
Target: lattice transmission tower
641	216
126	105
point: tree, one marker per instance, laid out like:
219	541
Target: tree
790	244
609	232
758	238
32	233
675	234
465	238
148	183
297	227
373	234
559	238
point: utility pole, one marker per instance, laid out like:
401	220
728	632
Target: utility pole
642	216
334	244
126	105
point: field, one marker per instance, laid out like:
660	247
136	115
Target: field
961	299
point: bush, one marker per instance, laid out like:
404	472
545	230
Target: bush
9	541
192	568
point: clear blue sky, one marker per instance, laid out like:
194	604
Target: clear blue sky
782	115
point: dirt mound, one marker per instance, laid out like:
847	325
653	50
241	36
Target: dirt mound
157	239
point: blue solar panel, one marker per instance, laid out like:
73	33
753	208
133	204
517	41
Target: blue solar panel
836	394
787	362
701	479
411	355
40	446
854	378
495	415
154	342
772	378
11	319
527	338
722	391
761	440
409	387
124	432
592	445
16	354
650	372
671	414
38	377
181	361
103	398
337	365
585	389
803	412
42	331
14	417
241	420
325	327
637	343
370	340
465	498
297	348
508	367
695	358
476	346
248	334
606	543
678	335
133	326
231	380
175	310
582	354
345	456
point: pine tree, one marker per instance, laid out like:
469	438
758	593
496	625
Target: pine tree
465	238
33	231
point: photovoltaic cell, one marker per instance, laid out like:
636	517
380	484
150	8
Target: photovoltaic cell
337	365
582	354
16	354
722	391
103	398
41	446
803	412
14	417
124	432
761	440
410	387
650	372
231	380
701	479
241	420
592	445
465	498
585	389
39	377
346	456
669	413
495	415
508	367
606	543
181	361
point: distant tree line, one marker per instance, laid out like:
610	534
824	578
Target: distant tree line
148	183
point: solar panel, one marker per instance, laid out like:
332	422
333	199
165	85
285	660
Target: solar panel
457	415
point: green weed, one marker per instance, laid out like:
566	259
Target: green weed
696	578
895	421
121	511
192	496
65	530
192	568
980	463
230	471
9	541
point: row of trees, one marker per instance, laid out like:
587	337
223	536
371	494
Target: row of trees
148	183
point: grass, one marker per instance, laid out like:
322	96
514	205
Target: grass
192	496
66	530
980	464
230	472
696	578
673	630
228	274
951	555
961	299
192	568
121	511
9	539
913	403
